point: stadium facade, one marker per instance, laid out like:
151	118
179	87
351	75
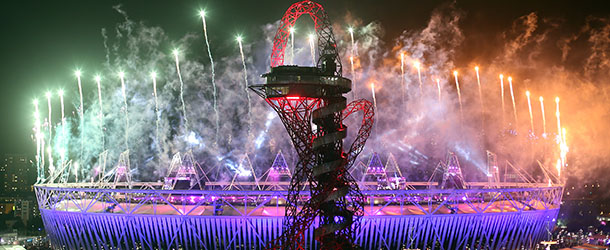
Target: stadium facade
508	216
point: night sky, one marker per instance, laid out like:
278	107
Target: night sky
43	42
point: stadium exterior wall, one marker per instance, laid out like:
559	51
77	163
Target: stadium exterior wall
102	231
71	224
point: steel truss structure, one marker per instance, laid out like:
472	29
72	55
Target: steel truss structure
79	217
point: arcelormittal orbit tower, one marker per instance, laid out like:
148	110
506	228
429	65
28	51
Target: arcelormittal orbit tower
310	103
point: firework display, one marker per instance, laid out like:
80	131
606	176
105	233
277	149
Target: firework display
171	152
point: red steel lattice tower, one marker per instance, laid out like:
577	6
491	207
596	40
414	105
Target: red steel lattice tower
302	96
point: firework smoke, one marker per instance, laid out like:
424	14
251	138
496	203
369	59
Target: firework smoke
406	133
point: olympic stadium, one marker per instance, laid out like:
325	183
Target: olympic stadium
248	214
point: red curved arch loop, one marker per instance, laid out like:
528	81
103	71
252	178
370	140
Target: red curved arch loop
365	129
326	40
290	17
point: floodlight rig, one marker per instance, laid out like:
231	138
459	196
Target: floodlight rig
493	176
185	173
278	172
375	170
452	176
121	173
302	96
